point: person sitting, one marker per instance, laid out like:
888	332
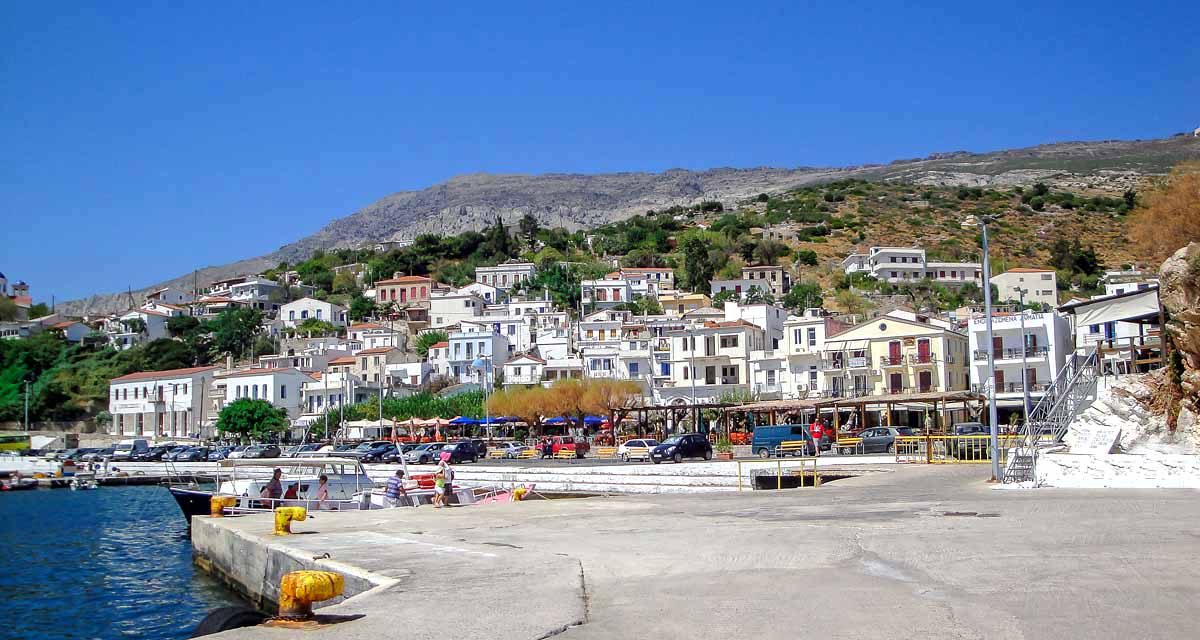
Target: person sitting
292	492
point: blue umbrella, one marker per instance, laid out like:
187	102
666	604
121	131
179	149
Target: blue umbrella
464	420
555	420
593	420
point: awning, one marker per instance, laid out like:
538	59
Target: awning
1126	307
846	345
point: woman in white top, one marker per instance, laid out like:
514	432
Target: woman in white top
322	494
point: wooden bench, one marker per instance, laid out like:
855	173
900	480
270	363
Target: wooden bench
528	454
606	452
637	453
495	454
793	448
564	454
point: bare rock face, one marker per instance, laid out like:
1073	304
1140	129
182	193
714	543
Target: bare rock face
1180	293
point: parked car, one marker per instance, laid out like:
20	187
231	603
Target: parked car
192	454
676	448
305	450
237	452
570	443
460	452
638	449
768	437
98	455
343	448
373	451
172	454
127	449
219	453
424	453
78	454
288	451
481	448
882	439
976	448
513	449
261	451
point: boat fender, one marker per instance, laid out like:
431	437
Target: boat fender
299	589
284	517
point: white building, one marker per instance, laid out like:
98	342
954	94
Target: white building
772	278
804	345
1047	344
280	387
472	351
297	311
330	390
171	295
160	404
909	264
768	317
489	293
516	332
663	278
452	307
409	376
740	286
605	293
523	369
373	335
505	276
710	360
259	293
1040	286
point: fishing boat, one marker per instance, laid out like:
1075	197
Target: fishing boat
84	483
348	485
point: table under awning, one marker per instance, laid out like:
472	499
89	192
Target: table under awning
1136	306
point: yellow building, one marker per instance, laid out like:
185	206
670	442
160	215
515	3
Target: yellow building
899	353
677	303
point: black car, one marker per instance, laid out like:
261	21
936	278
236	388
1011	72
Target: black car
460	452
688	445
191	454
377	452
261	451
480	448
972	448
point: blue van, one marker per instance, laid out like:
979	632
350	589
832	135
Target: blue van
767	437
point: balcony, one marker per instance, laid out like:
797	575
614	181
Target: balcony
854	392
923	359
1011	387
891	361
1012	353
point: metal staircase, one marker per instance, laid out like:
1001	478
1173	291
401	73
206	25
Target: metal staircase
1073	390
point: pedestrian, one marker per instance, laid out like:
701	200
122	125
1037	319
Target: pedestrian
273	490
817	431
439	489
448	476
322	495
395	494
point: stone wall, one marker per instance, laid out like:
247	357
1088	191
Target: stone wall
1180	294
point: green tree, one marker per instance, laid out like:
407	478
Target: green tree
803	295
529	228
179	326
697	268
8	309
164	354
721	297
851	302
39	310
254	419
646	306
314	327
806	257
769	251
233	331
344	282
361	307
428	339
756	295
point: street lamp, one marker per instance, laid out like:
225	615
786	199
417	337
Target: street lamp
993	428
484	363
1024	360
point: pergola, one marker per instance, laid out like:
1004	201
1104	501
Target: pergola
940	402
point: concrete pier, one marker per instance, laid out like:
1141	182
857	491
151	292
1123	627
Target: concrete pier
916	552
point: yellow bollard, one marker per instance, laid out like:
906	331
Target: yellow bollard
217	505
299	589
284	517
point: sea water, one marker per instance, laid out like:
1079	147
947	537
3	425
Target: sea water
111	563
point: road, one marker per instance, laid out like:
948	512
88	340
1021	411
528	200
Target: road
920	552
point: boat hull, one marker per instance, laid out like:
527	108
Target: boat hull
192	502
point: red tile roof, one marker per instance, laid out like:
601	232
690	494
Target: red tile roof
708	324
404	280
170	373
343	360
366	325
376	350
439	344
255	372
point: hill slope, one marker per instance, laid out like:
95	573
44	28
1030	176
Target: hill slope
576	201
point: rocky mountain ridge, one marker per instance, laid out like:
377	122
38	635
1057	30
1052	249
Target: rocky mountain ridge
580	201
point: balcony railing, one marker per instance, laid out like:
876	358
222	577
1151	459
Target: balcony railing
1013	353
923	358
1011	387
891	361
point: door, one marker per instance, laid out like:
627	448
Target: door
922	351
894	352
925	380
998	346
895	382
999	381
873	441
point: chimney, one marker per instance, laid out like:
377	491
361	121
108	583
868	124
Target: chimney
229	362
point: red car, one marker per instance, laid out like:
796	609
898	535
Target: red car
570	443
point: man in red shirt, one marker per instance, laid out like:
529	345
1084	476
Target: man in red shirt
817	430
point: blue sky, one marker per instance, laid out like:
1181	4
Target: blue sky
140	140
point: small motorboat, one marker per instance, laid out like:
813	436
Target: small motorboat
84	484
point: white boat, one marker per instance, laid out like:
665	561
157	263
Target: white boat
349	487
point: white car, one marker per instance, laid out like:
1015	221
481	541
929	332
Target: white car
512	449
636	449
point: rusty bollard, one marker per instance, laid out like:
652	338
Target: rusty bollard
299	589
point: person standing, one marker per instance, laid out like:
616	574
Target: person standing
817	431
274	488
447	472
322	495
395	493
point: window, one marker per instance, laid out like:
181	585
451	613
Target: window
892	259
265	395
363	363
771	377
318	314
185	387
797	336
304	314
254	389
292	314
729	342
664	368
633	369
282	391
812	337
517	371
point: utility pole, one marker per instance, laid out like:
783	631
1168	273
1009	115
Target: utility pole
993	428
26	405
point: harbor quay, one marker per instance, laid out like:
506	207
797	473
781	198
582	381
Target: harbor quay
905	552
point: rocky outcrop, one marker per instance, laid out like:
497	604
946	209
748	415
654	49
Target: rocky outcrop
1180	294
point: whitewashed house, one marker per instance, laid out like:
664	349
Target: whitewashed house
160	404
451	307
506	275
296	312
